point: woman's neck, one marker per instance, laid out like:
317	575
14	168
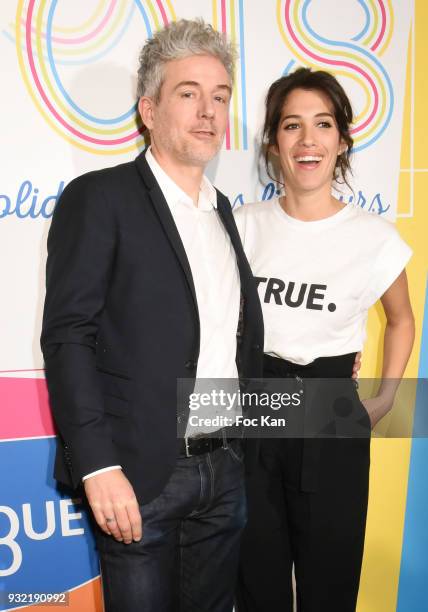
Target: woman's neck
311	206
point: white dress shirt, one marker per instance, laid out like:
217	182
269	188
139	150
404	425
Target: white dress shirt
215	275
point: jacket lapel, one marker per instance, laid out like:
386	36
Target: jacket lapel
165	217
228	221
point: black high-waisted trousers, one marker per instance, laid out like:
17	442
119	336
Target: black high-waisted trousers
307	506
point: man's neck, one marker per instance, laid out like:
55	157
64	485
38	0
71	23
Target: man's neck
187	177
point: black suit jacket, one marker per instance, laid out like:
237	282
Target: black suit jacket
121	324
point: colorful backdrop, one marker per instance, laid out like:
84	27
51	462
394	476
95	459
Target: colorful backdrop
68	102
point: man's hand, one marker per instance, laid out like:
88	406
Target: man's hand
114	505
357	365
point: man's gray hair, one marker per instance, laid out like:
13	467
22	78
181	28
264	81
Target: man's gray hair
180	39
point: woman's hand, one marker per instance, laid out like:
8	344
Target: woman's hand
357	365
377	407
398	342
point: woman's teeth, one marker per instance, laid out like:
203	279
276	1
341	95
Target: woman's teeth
308	159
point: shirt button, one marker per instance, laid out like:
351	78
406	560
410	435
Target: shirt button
190	365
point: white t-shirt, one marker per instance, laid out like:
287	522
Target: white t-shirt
317	279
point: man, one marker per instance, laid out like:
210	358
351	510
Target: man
147	282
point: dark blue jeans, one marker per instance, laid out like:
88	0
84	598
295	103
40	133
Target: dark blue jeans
187	560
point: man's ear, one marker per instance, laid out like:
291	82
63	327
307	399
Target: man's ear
146	108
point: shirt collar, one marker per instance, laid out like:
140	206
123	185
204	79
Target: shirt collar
174	194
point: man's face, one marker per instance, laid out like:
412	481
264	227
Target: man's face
188	123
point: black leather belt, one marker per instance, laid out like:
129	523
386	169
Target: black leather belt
189	447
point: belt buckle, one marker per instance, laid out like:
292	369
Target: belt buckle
186	446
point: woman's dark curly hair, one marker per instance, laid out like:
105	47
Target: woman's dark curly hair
319	80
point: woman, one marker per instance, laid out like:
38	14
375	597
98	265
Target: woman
319	264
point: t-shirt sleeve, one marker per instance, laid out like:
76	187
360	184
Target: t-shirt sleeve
391	258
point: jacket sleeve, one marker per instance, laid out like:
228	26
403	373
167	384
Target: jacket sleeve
81	248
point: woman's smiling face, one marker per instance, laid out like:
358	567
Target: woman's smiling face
308	141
